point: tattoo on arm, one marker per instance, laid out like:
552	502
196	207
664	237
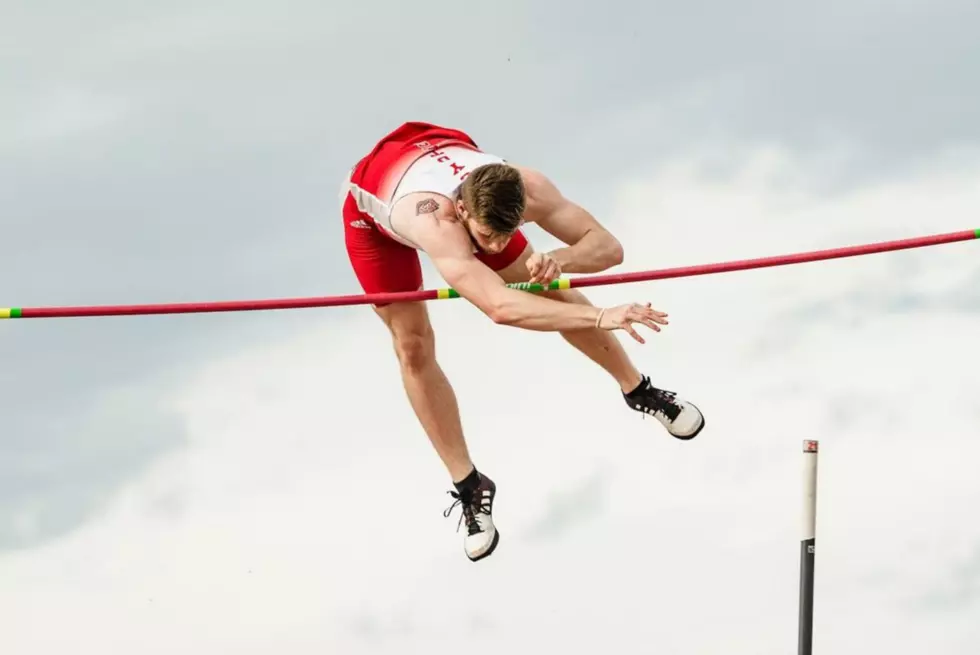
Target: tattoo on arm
427	206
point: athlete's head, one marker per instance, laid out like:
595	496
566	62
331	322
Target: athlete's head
490	204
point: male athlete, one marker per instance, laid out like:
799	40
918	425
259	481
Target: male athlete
429	188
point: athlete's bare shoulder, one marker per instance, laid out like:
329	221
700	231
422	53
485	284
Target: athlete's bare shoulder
542	195
426	218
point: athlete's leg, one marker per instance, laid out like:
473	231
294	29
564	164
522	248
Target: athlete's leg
434	401
681	418
428	389
601	346
383	265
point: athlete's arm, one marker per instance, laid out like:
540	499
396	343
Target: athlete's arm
447	244
591	247
449	248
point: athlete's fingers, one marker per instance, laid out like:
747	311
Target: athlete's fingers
639	312
646	316
642	311
633	333
649	312
650	324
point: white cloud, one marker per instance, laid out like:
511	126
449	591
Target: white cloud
308	505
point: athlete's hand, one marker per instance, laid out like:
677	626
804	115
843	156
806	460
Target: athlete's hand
543	268
624	316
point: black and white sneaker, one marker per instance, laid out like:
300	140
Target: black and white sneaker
681	418
482	536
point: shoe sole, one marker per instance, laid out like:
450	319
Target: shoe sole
489	551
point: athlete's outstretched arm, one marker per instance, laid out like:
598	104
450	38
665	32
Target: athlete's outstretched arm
591	247
448	247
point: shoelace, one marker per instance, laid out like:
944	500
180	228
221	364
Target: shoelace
469	508
660	400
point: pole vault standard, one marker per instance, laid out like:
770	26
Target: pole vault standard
439	294
808	546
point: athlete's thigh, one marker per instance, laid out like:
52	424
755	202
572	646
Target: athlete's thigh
409	324
381	264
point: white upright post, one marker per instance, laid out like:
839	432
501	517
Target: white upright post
808	546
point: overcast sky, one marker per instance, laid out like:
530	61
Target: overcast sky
227	482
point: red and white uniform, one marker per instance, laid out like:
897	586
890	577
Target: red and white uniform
413	158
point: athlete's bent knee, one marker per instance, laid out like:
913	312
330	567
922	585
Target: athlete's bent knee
415	351
411	333
414	345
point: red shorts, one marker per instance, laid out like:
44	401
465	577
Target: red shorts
381	264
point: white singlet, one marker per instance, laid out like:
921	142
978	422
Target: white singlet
439	171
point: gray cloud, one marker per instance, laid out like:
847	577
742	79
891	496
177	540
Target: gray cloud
889	82
574	505
851	309
192	152
61	464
